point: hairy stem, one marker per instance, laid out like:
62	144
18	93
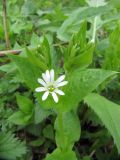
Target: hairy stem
5	24
95	24
94	29
61	129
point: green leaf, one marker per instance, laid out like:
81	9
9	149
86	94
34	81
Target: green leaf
76	17
79	53
108	112
10	147
38	142
28	8
96	3
80	84
115	3
45	51
86	158
35	60
25	104
82	60
59	155
34	129
79	38
67	128
8	68
112	53
115	36
29	72
46	48
41	114
21	25
20	118
48	132
35	40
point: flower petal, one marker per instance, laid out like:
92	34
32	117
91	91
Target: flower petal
40	89
47	75
41	82
55	97
60	79
61	83
45	95
45	78
59	92
51	75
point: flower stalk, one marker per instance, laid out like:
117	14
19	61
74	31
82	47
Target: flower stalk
94	29
61	129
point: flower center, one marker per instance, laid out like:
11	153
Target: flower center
51	88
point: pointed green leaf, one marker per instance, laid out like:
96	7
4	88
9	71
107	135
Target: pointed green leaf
29	72
108	112
59	155
78	16
82	60
67	126
10	147
20	118
36	60
25	104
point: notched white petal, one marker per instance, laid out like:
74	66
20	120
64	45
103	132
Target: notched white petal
45	95
59	92
40	89
48	75
62	84
41	82
55	97
50	86
60	79
44	77
51	75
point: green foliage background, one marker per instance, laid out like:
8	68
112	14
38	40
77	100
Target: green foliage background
80	39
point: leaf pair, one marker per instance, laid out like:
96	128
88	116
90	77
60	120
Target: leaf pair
79	53
108	112
67	128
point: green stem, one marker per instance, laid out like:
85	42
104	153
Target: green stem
61	130
95	24
94	29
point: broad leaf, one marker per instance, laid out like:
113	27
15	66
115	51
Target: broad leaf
25	104
96	3
36	60
108	112
67	128
41	114
81	60
79	53
80	84
48	132
112	53
59	155
20	118
77	16
29	72
45	48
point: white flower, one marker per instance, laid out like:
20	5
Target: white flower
50	86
